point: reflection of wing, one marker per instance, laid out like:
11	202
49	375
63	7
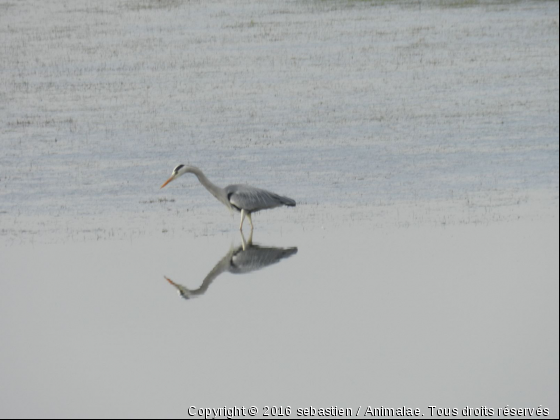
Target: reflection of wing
256	257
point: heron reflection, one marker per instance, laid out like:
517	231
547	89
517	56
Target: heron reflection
241	260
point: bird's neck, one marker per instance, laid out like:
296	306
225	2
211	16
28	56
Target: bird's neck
216	191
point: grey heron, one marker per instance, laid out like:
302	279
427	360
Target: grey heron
242	198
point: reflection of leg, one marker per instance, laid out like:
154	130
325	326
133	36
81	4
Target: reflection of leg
250	221
243	213
243	241
246	244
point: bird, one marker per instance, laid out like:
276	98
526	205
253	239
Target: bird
243	198
241	260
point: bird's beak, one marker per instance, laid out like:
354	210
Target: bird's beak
168	181
170	282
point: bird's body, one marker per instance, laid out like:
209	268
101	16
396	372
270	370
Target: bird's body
243	198
251	199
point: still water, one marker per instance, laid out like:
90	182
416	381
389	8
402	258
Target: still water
447	317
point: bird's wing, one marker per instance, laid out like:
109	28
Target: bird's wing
251	198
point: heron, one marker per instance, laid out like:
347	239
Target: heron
243	198
241	260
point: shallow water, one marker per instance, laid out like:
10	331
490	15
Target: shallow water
419	268
452	317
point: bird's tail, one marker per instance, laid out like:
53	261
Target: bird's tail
288	201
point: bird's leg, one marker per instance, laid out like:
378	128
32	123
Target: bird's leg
243	214
250	221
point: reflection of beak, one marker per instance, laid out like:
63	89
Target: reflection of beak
167	182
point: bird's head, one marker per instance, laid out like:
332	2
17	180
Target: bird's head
177	172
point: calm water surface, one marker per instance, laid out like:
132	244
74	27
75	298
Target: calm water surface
451	317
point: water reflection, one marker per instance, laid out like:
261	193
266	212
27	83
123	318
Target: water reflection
241	260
